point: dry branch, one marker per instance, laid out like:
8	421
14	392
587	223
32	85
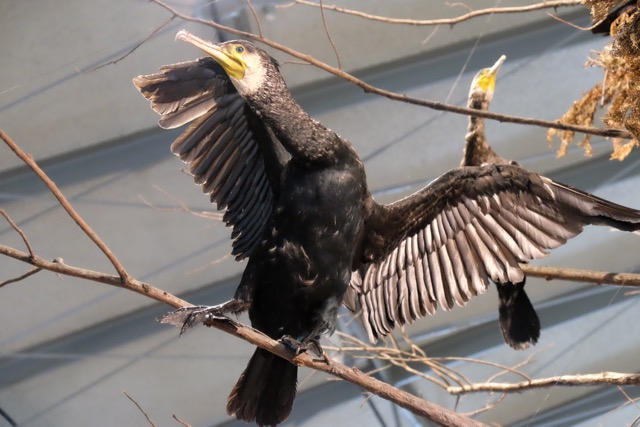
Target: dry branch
575	275
58	266
610	378
443	21
149	420
367	88
28	160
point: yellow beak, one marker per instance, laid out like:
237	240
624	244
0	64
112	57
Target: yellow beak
233	65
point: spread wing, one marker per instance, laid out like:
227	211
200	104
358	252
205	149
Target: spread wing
440	245
229	151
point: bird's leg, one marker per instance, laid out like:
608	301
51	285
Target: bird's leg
187	317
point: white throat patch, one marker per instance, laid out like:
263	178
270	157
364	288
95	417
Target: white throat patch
254	76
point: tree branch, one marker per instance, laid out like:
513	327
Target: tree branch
610	378
575	275
435	105
401	398
21	277
58	266
444	21
18	230
28	160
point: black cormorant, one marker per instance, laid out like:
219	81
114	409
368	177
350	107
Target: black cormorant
519	322
296	195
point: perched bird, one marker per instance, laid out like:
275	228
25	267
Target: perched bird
296	196
519	322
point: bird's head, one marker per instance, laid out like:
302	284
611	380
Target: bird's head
485	81
246	64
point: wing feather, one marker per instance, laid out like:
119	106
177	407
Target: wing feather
230	152
442	244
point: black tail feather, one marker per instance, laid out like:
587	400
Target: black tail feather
519	322
266	389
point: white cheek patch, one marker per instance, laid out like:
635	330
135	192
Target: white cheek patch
254	76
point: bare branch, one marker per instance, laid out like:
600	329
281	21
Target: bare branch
328	33
401	398
611	378
575	275
151	423
181	206
436	105
180	421
444	21
28	160
22	277
255	16
58	266
134	48
18	230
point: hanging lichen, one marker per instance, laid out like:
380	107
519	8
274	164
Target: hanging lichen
619	88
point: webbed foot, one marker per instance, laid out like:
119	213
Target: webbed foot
187	317
306	345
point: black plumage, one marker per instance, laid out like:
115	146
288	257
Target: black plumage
314	237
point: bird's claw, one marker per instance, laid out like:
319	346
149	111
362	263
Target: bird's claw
298	347
187	317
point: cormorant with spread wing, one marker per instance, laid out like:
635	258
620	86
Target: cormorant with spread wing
296	195
519	322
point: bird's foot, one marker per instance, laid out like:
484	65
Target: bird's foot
187	317
306	345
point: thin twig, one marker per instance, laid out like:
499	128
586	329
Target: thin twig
444	21
367	88
134	48
328	33
612	378
180	421
575	275
255	16
20	278
28	160
18	230
140	409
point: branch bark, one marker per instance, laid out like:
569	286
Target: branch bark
366	87
575	275
610	378
28	160
444	21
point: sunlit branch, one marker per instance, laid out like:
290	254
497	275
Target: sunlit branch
444	21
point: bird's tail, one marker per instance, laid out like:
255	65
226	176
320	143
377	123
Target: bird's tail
519	322
265	391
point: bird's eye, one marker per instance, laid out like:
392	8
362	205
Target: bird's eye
239	49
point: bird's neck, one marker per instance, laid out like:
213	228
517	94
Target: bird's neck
304	138
476	149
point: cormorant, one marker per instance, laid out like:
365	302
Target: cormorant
296	195
519	322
